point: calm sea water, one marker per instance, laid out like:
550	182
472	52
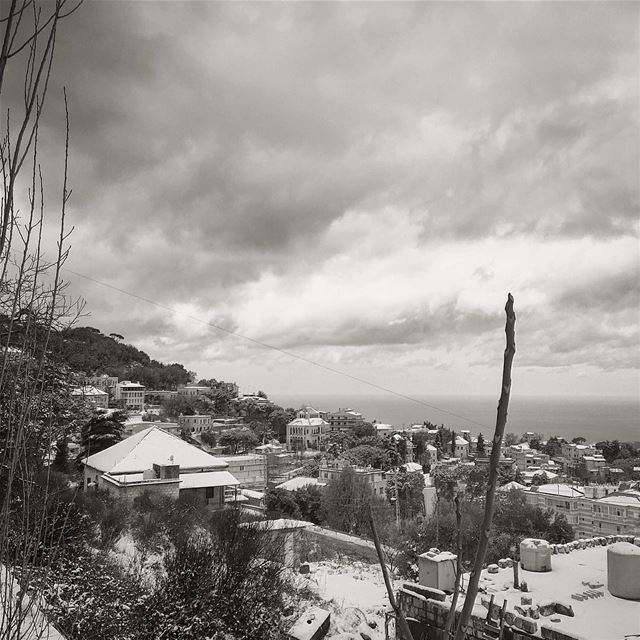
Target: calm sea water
593	418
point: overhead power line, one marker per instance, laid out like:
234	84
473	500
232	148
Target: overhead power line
271	347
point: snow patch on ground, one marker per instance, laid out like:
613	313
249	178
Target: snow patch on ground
354	593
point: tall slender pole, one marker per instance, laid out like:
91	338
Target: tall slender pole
404	627
397	501
501	422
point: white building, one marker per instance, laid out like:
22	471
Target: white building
306	433
131	394
461	448
93	396
375	478
193	390
618	512
249	469
158	462
344	419
196	423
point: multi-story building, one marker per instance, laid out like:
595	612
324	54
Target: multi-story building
306	432
588	511
344	420
375	478
461	448
93	396
526	458
575	452
160	394
249	469
196	423
131	394
192	390
595	465
106	383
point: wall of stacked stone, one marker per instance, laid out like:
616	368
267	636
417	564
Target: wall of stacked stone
426	610
597	541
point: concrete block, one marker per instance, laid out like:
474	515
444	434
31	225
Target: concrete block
313	624
534	612
502	563
304	568
427	592
577	596
526	600
509	617
547	608
493	568
520	610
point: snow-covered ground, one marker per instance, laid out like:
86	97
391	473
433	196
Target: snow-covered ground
354	593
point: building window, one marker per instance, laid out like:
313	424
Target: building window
210	492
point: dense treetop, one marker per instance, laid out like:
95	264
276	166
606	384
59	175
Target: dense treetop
87	350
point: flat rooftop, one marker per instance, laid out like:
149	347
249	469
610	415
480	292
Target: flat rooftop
603	618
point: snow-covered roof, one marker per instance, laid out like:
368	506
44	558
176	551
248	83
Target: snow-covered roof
512	486
250	493
88	390
153	445
298	482
127	384
604	618
308	422
412	467
207	479
628	497
430	447
461	442
559	490
282	523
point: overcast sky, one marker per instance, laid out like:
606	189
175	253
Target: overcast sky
361	184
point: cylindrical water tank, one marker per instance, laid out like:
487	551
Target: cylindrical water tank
535	555
623	570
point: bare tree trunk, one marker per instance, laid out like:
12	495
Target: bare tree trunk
404	627
501	421
456	589
32	305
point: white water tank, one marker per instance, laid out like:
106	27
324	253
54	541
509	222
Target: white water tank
623	570
535	555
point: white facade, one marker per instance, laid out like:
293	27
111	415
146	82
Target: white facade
344	419
616	513
92	395
131	394
306	433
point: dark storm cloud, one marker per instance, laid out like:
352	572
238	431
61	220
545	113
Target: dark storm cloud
258	125
221	150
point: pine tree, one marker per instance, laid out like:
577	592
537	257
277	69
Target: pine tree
453	443
101	432
480	448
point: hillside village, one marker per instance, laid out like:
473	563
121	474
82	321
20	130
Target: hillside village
309	476
319	198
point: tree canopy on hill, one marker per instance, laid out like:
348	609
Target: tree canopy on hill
87	350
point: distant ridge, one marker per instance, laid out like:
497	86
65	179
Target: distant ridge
87	350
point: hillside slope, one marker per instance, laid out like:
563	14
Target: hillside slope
87	350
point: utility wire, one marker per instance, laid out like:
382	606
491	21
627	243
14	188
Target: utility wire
265	345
